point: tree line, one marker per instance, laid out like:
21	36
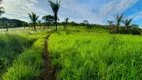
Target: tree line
126	28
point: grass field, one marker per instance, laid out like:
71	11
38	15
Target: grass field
10	47
77	54
96	56
21	53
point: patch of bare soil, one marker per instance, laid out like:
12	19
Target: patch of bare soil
48	72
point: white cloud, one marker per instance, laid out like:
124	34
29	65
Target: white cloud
136	16
95	11
116	6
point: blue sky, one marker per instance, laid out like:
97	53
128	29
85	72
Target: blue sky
95	11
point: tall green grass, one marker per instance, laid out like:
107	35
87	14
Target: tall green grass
28	64
10	47
95	56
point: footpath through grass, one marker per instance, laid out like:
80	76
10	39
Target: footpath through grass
96	56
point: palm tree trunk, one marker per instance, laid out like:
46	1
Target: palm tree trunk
66	25
46	24
126	28
34	26
6	27
24	26
117	28
49	23
56	25
56	21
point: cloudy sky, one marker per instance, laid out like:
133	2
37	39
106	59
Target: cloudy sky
95	11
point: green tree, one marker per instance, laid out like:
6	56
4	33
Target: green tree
85	22
39	22
110	22
33	18
48	19
118	18
24	24
127	23
134	29
55	5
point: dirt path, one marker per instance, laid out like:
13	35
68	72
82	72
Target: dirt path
48	69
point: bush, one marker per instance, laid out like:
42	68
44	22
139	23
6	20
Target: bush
131	30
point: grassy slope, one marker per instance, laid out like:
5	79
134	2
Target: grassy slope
89	56
11	45
28	64
82	55
15	42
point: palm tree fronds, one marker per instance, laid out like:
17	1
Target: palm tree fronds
33	18
55	5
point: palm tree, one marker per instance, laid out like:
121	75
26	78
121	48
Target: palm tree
55	5
110	22
118	21
33	18
1	9
66	22
23	24
39	22
85	22
6	25
48	19
127	22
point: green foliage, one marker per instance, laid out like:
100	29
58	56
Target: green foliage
110	22
94	56
28	64
127	23
49	19
10	47
13	23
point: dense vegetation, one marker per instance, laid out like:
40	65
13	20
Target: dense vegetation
89	56
22	66
28	64
12	23
78	51
10	47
